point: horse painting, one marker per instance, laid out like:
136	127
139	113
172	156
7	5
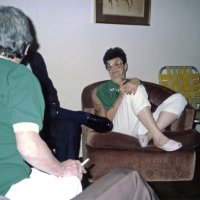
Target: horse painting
129	3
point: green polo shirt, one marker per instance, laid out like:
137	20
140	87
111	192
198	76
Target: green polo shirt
21	100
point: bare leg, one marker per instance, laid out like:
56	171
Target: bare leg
163	121
154	130
145	116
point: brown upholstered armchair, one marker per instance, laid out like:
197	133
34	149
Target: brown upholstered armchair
111	150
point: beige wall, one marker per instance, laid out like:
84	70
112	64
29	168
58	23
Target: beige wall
73	45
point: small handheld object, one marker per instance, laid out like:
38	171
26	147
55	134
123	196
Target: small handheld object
85	161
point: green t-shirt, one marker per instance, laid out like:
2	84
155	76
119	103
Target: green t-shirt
108	92
21	100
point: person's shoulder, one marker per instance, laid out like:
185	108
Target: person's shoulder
21	68
12	67
105	84
21	72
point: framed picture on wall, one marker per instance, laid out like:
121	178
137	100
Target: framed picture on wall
134	12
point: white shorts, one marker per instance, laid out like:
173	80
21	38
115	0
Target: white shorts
42	186
126	120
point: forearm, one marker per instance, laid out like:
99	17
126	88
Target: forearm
44	160
135	81
38	154
113	110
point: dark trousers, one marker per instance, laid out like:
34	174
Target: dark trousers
63	136
68	137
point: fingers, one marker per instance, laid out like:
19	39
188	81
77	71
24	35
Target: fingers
80	167
73	168
123	82
81	170
130	88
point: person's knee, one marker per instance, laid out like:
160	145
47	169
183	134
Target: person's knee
175	104
140	100
180	99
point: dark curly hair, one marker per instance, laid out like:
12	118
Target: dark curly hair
114	53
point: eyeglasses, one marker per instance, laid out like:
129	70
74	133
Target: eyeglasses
117	65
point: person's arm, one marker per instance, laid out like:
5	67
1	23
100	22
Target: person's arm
39	69
127	87
113	110
135	81
98	106
131	85
35	151
99	109
26	111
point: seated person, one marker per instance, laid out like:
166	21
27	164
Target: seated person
28	169
62	127
130	110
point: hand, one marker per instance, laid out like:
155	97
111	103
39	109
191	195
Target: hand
131	86
73	168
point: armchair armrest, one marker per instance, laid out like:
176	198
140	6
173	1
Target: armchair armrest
186	120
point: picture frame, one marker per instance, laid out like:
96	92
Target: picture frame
132	12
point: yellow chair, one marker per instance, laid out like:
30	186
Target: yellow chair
186	80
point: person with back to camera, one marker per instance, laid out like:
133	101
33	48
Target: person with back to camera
130	109
28	169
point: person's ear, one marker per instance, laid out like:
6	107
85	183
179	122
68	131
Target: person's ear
26	50
126	66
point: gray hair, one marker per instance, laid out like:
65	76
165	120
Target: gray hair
15	34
